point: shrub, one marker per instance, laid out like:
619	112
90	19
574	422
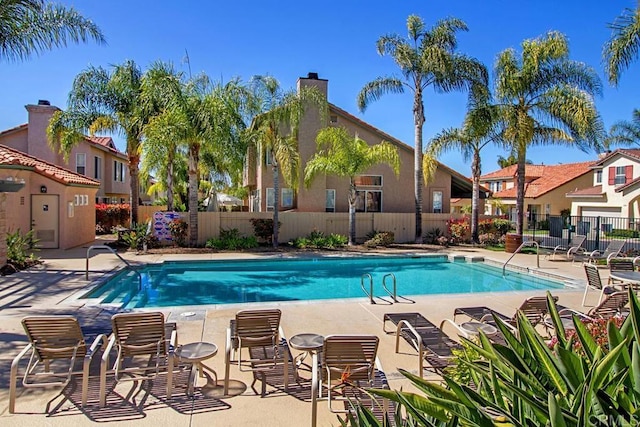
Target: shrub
317	239
502	226
380	238
178	229
459	230
431	236
231	239
20	249
109	216
263	228
489	239
621	232
138	236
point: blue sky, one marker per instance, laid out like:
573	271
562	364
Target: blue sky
336	39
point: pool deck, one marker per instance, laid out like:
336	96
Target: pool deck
50	289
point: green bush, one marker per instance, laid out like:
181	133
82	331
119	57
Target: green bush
380	238
263	228
318	240
109	216
138	236
178	229
231	239
20	249
431	236
624	233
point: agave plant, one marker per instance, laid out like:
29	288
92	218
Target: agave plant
527	383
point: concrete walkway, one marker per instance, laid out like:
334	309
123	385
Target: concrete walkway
49	290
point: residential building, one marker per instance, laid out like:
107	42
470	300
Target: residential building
58	204
546	187
614	190
378	189
95	157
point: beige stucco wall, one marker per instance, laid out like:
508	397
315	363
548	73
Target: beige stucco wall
3	229
17	140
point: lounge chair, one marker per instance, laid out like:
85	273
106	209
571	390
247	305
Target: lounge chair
52	339
431	343
142	342
534	308
259	332
575	247
612	250
594	282
612	305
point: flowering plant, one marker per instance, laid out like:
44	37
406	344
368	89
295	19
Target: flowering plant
178	229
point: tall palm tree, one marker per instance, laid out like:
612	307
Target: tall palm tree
545	98
426	58
275	130
510	160
342	155
624	132
29	27
622	49
103	101
203	115
481	127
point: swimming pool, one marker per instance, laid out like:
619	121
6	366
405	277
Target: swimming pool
180	283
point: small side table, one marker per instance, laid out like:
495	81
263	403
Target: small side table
308	343
474	328
195	353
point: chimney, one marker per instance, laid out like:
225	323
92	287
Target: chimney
312	79
313	76
43	102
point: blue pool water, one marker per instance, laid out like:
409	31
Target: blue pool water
227	282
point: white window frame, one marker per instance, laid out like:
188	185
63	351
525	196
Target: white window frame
328	198
267	157
270	198
441	200
599	176
288	198
621	175
97	167
81	162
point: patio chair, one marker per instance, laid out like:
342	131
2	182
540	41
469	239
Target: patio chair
575	247
53	339
612	250
613	305
594	282
431	343
142	342
259	332
348	361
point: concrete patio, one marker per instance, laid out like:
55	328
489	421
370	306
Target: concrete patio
49	290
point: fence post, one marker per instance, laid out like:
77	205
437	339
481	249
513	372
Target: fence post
598	233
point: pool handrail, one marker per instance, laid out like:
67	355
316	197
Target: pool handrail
522	245
113	251
393	294
370	293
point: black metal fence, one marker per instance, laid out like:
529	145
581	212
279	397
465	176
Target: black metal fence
553	230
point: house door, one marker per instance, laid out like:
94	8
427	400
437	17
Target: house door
44	220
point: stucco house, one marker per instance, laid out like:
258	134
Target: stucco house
614	190
58	204
378	189
95	157
546	187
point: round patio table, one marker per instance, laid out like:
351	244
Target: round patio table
308	343
195	353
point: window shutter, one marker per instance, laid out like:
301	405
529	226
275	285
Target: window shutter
612	175
628	174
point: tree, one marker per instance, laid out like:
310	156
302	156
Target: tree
29	27
545	98
505	162
624	132
203	116
275	131
426	58
103	101
480	128
342	155
622	49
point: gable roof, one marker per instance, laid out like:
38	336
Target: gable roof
587	192
530	171
12	157
632	153
551	177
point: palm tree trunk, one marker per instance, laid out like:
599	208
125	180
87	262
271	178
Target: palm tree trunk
276	200
134	162
170	160
520	192
352	213
475	195
194	153
418	118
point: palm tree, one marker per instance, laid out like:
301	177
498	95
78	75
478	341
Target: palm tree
30	27
103	101
624	132
480	128
342	155
505	162
426	58
622	49
545	98
203	116
275	131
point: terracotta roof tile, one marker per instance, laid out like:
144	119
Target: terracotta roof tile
551	177
530	171
9	156
590	191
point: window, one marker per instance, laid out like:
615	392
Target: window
368	201
333	119
287	198
254	200
97	167
270	198
330	203
118	171
495	186
621	176
267	157
437	201
81	163
599	176
369	180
